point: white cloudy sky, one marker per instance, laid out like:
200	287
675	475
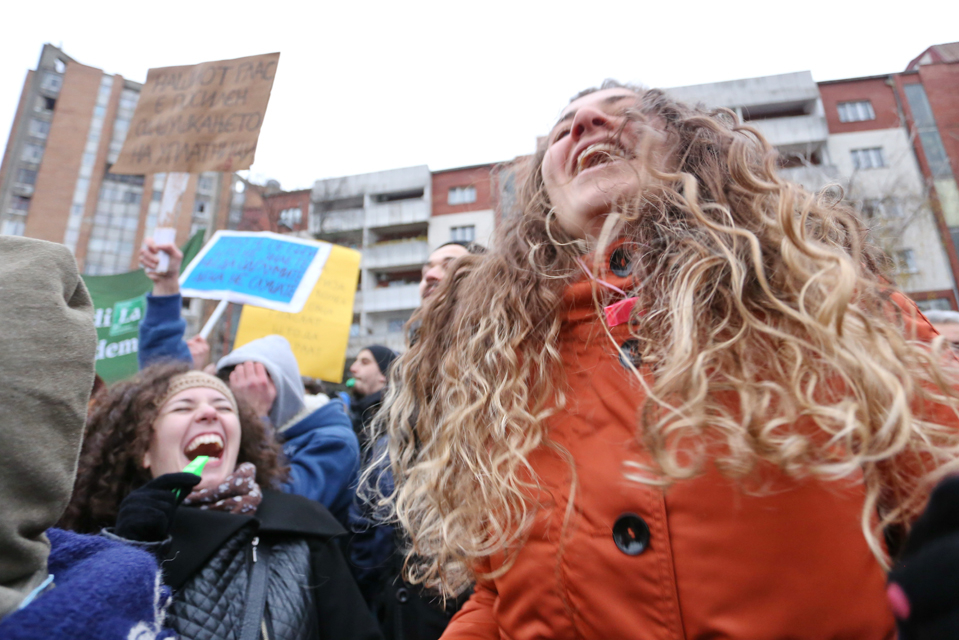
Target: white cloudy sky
365	86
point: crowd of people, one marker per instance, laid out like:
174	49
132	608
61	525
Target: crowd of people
678	397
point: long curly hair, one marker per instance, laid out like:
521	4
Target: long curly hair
117	438
767	337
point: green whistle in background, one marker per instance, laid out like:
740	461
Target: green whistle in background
195	467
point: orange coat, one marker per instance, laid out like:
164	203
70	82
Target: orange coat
718	562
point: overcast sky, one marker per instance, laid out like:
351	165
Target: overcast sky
367	86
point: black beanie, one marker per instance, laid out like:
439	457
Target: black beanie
384	357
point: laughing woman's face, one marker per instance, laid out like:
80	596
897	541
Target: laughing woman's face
591	158
197	421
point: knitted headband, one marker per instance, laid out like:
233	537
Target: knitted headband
192	379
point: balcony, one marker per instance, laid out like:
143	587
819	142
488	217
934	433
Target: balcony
400	212
337	221
406	296
395	341
793	133
813	177
396	254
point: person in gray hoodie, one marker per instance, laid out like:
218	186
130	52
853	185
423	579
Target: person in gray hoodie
317	434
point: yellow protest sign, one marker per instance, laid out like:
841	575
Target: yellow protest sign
203	117
320	332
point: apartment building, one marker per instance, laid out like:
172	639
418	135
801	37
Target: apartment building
787	110
850	133
55	179
871	144
463	206
269	208
385	215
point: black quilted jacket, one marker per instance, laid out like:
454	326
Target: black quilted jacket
310	593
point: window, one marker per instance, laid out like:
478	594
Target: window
906	261
19	203
395	325
31	153
462	195
13	226
45	104
27	176
868	158
206	184
291	217
463	234
412	194
59	65
51	82
856	111
38	128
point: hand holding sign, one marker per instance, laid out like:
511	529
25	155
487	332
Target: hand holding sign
166	283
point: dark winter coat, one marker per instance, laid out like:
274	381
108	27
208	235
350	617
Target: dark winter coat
362	412
311	593
404	611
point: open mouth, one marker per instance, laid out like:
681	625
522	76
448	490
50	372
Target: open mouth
599	154
205	444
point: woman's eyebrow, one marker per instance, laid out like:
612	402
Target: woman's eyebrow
606	102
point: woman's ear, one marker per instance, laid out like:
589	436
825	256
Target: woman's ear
146	460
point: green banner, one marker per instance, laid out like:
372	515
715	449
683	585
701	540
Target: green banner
119	305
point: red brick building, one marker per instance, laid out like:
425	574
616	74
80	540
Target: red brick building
267	208
55	180
462	205
898	134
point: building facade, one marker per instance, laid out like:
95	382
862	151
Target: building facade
463	206
55	179
386	216
852	134
871	143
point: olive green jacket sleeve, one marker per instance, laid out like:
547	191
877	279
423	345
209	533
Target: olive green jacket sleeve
47	349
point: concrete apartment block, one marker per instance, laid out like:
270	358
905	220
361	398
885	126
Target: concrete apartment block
385	215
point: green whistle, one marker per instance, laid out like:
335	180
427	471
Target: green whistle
195	467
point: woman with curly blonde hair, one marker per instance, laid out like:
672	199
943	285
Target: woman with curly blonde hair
677	399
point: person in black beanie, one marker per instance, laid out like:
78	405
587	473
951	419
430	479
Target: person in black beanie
369	370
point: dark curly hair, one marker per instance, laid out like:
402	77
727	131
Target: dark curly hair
118	432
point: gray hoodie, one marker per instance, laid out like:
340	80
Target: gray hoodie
274	353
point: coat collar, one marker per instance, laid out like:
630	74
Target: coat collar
578	299
198	533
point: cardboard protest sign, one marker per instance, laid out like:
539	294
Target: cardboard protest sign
119	304
204	117
259	268
318	334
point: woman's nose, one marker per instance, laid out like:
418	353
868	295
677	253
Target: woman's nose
207	412
587	120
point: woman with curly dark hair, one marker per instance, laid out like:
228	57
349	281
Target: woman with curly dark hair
242	558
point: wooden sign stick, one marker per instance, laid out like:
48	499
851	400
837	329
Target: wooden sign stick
170	205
